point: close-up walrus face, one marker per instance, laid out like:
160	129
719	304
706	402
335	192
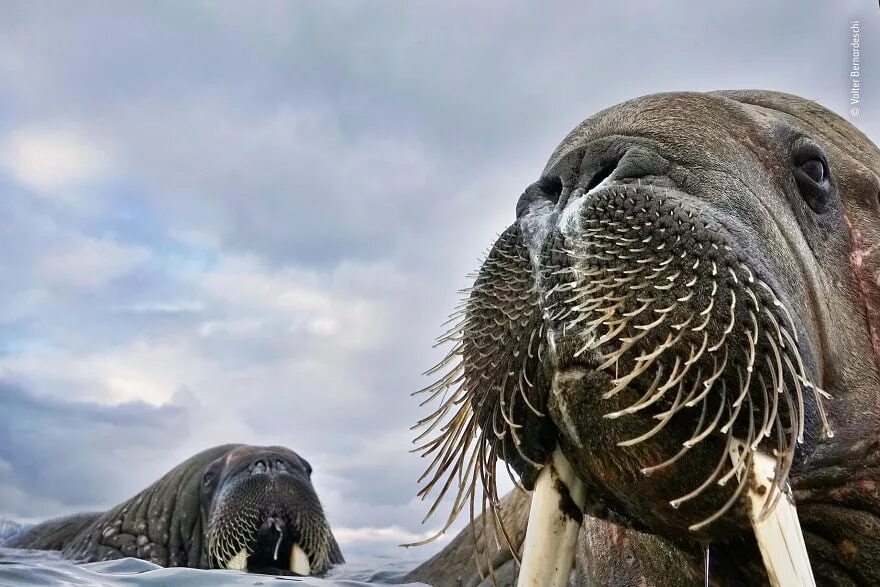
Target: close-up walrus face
694	277
262	514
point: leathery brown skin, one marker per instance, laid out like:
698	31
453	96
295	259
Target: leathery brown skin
205	511
749	223
480	543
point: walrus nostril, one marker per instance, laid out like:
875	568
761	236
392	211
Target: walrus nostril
551	187
546	188
604	172
260	467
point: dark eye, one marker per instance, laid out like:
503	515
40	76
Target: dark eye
208	477
814	169
813	176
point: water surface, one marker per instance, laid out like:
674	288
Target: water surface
31	567
37	567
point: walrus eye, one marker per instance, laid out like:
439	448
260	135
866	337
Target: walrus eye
208	477
813	177
814	169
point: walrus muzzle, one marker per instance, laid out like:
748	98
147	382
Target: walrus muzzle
264	516
638	312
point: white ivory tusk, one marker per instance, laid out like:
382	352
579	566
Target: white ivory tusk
551	536
239	561
299	561
779	534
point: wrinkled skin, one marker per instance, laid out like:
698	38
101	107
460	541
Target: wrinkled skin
691	271
202	512
480	543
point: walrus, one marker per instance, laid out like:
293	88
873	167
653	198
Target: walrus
234	506
693	280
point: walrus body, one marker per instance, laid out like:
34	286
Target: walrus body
693	273
232	506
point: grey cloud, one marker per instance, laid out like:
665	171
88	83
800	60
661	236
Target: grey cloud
65	455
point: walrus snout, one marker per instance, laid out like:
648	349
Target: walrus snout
690	346
264	515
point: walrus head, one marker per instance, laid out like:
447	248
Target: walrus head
231	506
693	277
262	514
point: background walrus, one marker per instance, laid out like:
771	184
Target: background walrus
691	273
232	506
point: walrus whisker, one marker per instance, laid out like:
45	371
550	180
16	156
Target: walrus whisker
740	464
709	382
643	362
799	397
697	438
653	431
452	443
674	378
776	489
437	415
648	470
693	390
440	384
728	504
729	327
621	412
819	394
736	406
785	459
676	503
450	431
457	503
525	397
448	359
473	532
764	431
456	451
499	526
485	498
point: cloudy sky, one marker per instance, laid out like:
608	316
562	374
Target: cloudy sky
238	222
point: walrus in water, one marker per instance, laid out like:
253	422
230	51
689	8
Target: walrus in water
693	280
234	506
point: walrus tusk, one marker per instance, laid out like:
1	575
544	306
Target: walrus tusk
239	561
778	533
551	536
299	561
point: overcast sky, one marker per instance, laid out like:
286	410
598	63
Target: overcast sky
245	222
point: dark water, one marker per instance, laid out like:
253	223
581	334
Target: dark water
29	567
